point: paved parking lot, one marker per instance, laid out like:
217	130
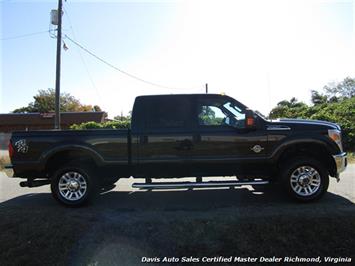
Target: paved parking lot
124	224
10	190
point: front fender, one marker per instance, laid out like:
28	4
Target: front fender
320	141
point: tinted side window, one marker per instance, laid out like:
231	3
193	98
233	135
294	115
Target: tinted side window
168	112
217	111
210	115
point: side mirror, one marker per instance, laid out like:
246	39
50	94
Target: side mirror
250	119
227	121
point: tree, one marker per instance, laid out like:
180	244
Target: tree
335	92
342	113
318	98
97	108
337	105
122	117
44	102
344	89
289	109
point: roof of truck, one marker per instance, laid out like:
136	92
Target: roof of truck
186	95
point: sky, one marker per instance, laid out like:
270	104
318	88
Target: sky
259	52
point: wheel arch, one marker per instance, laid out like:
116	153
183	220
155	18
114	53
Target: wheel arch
70	153
313	148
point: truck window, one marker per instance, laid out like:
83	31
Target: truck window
210	115
165	112
220	112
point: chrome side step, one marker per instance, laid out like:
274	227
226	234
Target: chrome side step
174	185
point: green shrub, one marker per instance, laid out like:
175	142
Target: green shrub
341	112
105	125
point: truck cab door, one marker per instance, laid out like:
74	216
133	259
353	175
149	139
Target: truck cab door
166	139
222	143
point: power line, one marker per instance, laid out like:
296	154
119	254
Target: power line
118	69
81	56
24	35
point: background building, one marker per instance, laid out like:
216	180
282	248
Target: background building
37	121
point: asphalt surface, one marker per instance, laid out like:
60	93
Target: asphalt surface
11	192
123	224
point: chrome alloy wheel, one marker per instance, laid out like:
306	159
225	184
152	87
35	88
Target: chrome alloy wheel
305	181
72	186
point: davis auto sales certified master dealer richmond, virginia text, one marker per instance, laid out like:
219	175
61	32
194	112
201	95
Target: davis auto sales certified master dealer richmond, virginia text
235	259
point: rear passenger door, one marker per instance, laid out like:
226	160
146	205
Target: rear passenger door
165	140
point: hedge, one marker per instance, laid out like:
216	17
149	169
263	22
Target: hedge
105	125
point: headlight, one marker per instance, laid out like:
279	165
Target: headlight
335	135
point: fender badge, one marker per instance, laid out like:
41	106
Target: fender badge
21	146
257	148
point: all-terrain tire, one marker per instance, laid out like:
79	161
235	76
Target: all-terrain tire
304	178
73	185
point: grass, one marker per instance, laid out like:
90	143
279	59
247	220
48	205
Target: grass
351	157
4	160
66	236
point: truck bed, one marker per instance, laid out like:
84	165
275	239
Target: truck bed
36	147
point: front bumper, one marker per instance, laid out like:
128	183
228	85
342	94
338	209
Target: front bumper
341	162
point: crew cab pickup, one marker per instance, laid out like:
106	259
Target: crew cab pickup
191	135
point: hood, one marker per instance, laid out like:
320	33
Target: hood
306	123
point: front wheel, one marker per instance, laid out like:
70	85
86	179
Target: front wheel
72	185
305	179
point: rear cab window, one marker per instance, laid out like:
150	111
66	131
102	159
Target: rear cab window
168	113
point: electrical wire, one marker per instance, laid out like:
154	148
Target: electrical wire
66	13
50	31
24	35
120	70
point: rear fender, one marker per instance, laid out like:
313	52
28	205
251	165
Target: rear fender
72	147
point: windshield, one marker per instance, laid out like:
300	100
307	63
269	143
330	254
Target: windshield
238	114
261	115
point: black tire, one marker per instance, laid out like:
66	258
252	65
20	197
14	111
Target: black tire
300	181
81	175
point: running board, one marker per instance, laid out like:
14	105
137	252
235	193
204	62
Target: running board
173	185
34	183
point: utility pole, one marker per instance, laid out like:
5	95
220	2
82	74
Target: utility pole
57	73
206	88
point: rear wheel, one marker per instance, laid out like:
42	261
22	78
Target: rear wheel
73	185
305	179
